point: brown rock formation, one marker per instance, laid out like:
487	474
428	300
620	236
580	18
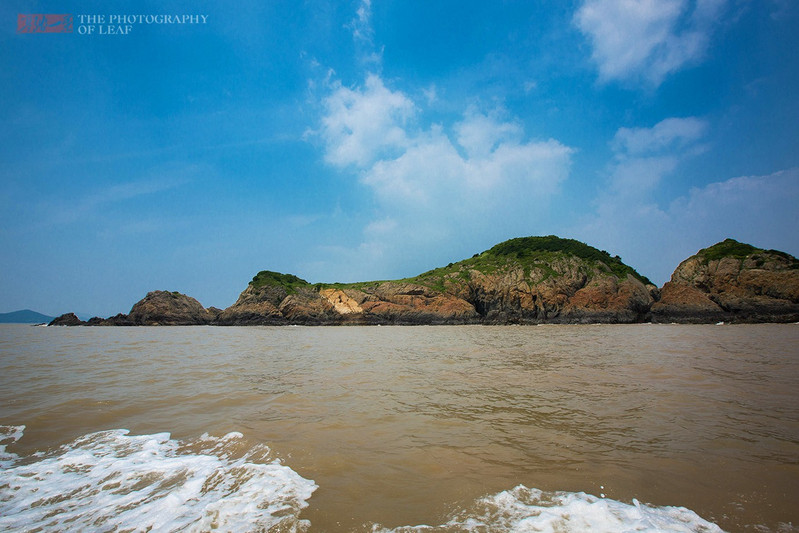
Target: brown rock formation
256	306
309	307
343	303
609	299
67	319
409	303
116	320
163	308
566	288
733	282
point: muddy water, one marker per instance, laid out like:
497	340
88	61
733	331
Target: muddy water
405	426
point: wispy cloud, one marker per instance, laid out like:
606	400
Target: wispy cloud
363	35
647	39
60	211
362	24
643	156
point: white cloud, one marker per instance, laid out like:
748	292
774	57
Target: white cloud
480	134
438	184
647	39
745	208
361	125
667	134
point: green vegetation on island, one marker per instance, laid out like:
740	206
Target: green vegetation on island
529	253
740	250
539	249
289	282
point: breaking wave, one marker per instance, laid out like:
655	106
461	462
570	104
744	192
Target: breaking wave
114	481
527	510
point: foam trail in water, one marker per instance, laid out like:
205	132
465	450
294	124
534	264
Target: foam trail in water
112	481
523	510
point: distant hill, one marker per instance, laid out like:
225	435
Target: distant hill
26	316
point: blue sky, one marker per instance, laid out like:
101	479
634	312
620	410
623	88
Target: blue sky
345	141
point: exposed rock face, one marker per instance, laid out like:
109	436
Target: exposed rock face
409	303
342	303
731	282
163	308
307	306
685	303
381	303
564	289
608	299
67	319
256	306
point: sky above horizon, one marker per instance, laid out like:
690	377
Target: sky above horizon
352	141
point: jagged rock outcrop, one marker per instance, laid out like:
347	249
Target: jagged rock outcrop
256	306
731	282
116	320
558	287
67	319
410	303
164	308
344	302
609	299
308	307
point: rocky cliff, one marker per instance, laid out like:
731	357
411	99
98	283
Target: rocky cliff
731	282
521	281
527	280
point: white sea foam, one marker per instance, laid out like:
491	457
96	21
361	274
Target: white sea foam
8	435
113	481
528	510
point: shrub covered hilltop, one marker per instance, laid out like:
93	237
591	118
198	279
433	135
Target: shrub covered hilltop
528	280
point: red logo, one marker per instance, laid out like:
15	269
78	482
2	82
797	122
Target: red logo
44	23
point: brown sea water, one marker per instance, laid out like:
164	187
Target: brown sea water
402	426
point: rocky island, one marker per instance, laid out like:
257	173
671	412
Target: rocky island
529	280
734	282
